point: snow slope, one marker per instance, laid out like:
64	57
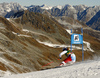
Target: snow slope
86	69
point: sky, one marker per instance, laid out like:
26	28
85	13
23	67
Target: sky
54	2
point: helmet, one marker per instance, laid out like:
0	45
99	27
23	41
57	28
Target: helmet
64	49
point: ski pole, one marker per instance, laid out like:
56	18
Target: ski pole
48	63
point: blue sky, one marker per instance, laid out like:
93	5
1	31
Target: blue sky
54	2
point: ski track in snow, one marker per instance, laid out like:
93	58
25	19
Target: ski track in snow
86	69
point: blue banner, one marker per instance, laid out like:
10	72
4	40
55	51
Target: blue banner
76	39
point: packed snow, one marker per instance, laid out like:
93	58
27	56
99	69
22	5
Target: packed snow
86	69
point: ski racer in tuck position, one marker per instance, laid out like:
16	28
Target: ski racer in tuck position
71	58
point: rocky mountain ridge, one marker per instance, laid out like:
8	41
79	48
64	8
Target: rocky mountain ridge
7	7
78	12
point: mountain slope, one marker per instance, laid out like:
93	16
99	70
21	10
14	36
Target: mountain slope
7	7
88	13
9	25
20	52
37	22
21	41
95	21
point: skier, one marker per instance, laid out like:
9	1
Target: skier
71	58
